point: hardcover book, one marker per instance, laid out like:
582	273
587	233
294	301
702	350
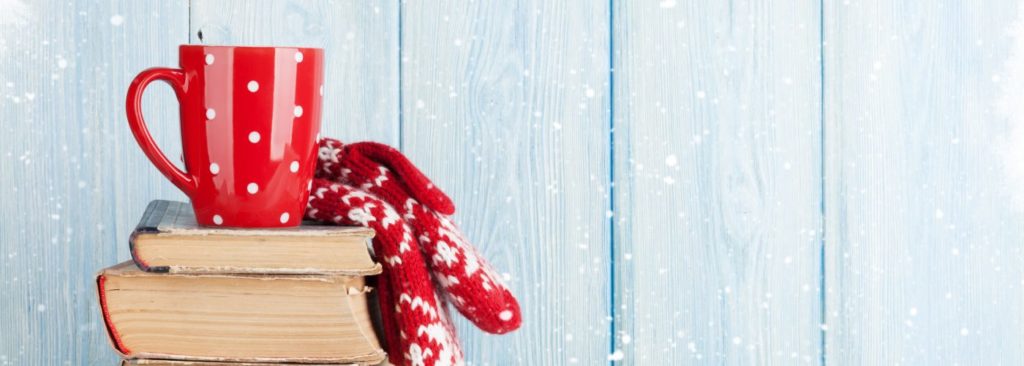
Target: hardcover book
238	317
168	239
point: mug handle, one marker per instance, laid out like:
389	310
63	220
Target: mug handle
176	79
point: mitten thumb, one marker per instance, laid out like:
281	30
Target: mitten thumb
370	156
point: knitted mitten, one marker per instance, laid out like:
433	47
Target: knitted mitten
466	279
417	329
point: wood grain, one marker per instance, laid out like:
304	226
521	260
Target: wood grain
924	260
506	106
717	182
73	180
360	42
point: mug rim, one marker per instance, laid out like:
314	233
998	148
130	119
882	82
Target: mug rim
249	47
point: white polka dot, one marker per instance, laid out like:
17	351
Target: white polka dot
321	90
294	166
254	137
209	59
210	114
217	219
297	111
252	188
298	56
505	315
284	217
253	86
214	168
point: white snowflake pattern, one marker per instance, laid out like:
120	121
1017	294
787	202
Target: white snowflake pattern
405	246
435	332
416	354
390	217
447	281
417	302
361	215
383	177
409	205
472	264
329	153
354	193
393	260
445	254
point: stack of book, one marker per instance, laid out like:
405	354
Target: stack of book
211	296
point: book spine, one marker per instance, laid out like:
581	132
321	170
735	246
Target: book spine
133	248
115	337
150	223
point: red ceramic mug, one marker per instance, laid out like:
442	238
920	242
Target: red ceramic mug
250	120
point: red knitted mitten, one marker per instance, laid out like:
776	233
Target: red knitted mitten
417	329
465	278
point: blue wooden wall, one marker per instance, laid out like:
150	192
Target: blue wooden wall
662	182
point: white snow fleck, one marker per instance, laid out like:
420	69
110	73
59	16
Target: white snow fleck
590	93
626	339
40	308
616	356
964	332
913	311
737	340
117	20
668	180
62	63
420	104
568	337
671	160
701	94
667	4
939	214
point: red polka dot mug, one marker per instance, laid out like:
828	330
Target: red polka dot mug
250	121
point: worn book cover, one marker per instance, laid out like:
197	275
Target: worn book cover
168	239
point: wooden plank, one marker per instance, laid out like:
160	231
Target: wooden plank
717	182
923	236
506	106
360	41
73	179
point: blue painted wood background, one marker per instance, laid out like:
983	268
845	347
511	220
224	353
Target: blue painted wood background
662	182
